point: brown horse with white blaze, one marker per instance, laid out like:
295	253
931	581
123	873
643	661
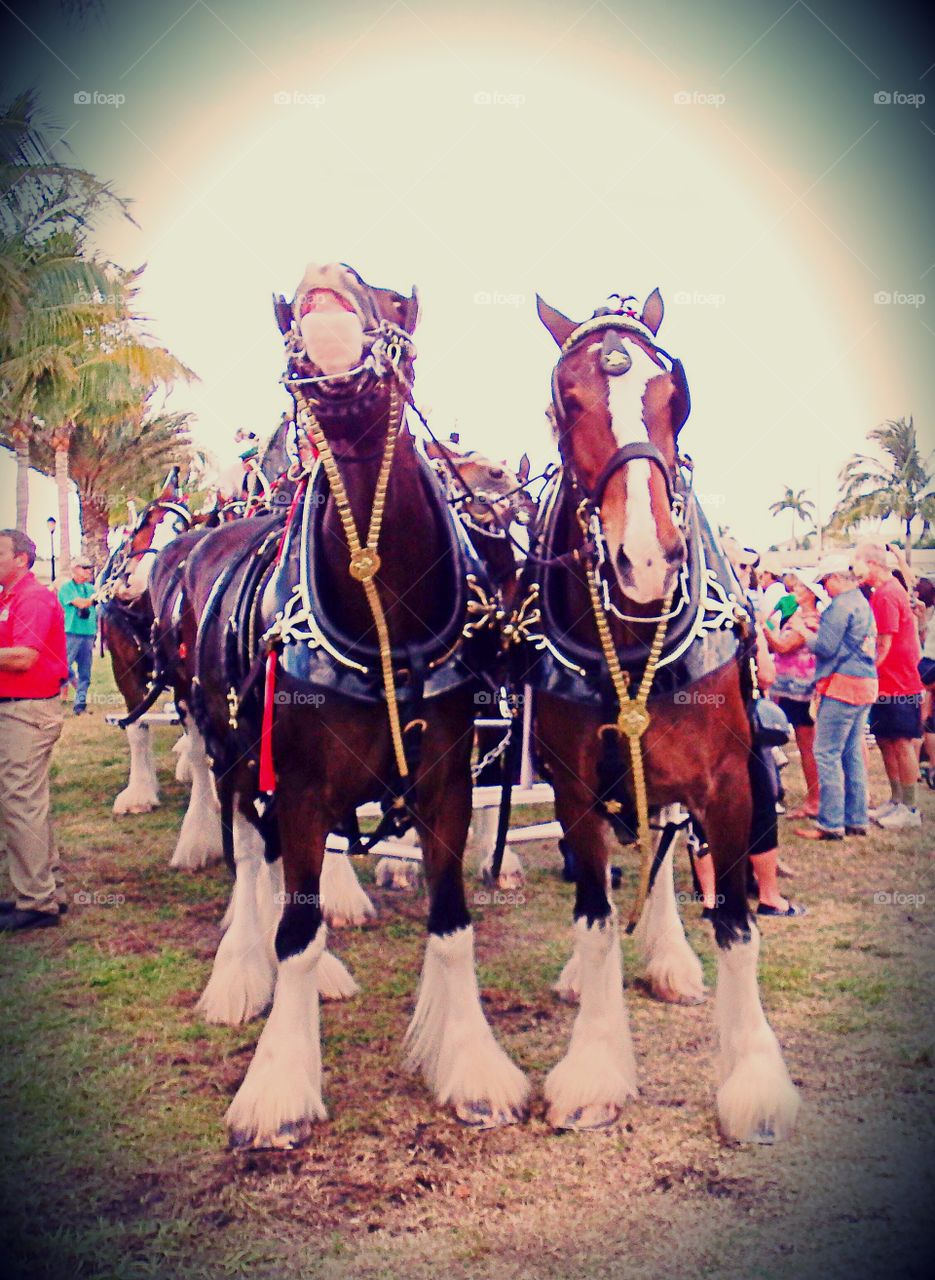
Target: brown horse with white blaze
632	562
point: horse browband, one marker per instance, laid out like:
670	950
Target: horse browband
628	452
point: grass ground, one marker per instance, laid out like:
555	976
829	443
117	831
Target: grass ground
112	1156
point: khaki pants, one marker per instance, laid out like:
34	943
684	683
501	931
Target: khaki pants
29	729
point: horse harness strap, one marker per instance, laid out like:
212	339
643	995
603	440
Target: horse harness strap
365	558
632	718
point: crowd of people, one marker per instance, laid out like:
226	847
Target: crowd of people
846	644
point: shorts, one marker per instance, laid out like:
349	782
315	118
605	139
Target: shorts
897	716
797	712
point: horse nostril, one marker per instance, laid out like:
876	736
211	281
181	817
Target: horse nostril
624	564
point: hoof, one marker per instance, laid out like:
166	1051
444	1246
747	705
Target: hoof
128	809
287	1138
480	1115
668	995
596	1115
567	995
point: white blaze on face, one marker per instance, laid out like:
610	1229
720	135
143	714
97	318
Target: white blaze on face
331	330
638	538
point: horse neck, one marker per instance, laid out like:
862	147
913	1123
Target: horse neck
411	577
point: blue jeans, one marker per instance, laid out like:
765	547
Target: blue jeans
80	651
839	755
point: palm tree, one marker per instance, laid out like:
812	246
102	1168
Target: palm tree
794	500
899	485
46	279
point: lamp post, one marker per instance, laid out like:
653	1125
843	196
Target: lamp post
51	523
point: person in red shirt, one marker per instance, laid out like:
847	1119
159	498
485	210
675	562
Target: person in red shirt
896	717
33	668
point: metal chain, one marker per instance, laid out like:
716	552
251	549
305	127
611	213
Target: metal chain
493	754
365	558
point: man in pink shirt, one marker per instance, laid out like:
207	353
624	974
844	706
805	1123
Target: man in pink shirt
896	717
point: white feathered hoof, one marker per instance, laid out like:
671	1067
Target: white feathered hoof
400	874
199	842
568	986
343	901
677	978
334	981
183	763
480	1115
597	1115
241	982
280	1098
135	800
758	1102
511	871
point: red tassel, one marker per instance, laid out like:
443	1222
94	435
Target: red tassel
267	772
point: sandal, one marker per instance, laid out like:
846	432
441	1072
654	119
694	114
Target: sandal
791	912
817	833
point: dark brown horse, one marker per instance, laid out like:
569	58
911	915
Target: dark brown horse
622	510
126	623
326	729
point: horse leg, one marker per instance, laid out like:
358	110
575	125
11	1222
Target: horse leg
756	1100
199	841
141	794
449	1039
343	901
243	974
588	1088
183	768
672	969
280	1097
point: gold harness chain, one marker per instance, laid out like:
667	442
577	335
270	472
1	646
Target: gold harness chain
632	721
365	558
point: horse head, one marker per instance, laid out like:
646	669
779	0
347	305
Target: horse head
619	402
161	523
489	493
346	343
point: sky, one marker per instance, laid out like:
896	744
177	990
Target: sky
769	166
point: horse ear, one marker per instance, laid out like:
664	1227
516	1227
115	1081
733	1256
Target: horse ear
433	449
653	311
396	308
522	471
413	309
283	313
558	325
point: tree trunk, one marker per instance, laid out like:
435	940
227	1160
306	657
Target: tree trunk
61	441
909	540
95	526
20	435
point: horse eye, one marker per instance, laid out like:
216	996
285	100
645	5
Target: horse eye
496	473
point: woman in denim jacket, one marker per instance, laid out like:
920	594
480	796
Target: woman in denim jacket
846	678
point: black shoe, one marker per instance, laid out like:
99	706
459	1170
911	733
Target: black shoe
855	831
80	711
7	905
792	912
13	920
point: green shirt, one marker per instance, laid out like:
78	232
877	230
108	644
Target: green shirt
78	622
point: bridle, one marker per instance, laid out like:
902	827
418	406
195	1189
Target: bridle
615	360
118	567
